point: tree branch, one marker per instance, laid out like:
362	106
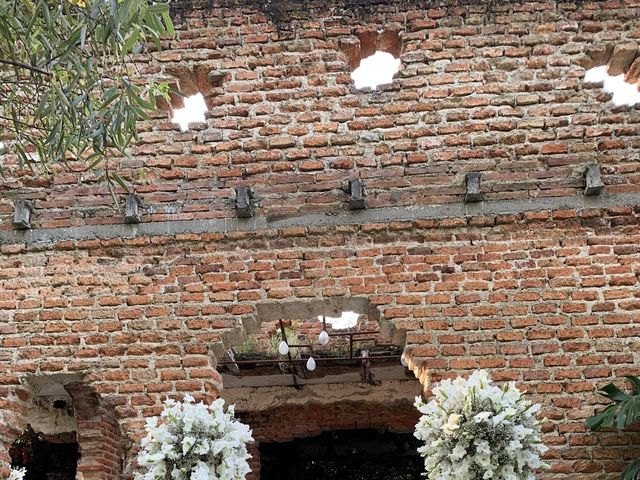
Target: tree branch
25	124
25	66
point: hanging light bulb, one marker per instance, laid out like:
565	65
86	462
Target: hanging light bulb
324	337
283	348
311	364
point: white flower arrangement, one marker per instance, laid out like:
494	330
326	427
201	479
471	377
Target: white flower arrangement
17	474
473	430
195	442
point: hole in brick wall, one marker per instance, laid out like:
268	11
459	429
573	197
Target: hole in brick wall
373	56
342	322
622	92
345	337
378	69
193	111
618	70
48	447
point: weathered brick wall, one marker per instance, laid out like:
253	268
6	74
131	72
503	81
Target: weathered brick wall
98	435
535	292
486	86
548	299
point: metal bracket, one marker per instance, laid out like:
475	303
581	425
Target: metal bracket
366	374
355	189
22	210
593	180
132	206
244	202
472	184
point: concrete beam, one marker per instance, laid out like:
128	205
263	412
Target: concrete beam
376	215
350	376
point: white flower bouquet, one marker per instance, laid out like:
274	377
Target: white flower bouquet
17	474
473	430
195	442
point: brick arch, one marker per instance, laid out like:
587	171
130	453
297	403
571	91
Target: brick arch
309	308
305	308
281	414
97	430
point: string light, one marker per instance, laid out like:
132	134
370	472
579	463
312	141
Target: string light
283	348
324	338
311	364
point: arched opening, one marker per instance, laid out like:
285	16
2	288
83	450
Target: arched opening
48	447
61	431
360	384
344	337
46	457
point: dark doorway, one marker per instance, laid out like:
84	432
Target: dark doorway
44	459
343	455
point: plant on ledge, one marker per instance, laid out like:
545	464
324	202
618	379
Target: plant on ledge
195	442
477	431
623	412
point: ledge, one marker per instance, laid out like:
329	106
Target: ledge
357	217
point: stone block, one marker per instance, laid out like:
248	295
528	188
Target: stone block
355	189
593	180
244	202
132	206
622	57
22	210
472	184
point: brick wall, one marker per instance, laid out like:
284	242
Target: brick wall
544	295
546	299
98	436
494	87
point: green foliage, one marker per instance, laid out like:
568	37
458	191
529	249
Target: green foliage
250	345
623	412
68	87
292	339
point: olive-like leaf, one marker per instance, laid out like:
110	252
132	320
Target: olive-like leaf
68	93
